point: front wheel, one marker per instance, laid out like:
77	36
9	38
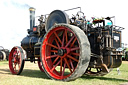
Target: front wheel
16	60
65	52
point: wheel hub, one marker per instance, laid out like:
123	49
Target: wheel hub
61	52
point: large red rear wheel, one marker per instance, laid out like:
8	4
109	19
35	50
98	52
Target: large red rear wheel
16	60
65	52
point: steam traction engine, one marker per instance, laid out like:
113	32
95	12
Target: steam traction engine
66	48
4	53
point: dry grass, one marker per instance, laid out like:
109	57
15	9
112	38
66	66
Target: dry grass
31	75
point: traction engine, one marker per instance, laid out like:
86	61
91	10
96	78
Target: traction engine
67	48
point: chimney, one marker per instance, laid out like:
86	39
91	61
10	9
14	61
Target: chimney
32	17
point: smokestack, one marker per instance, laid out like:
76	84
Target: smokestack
32	17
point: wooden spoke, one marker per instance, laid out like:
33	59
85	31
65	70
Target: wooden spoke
55	60
76	48
52	45
72	58
57	37
69	42
68	65
52	56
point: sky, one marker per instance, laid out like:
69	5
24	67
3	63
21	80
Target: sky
14	15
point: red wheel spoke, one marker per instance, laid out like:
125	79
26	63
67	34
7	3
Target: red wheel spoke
57	37
63	40
52	56
52	45
55	51
71	64
55	60
68	64
73	42
57	43
66	36
63	70
72	58
77	54
55	66
61	61
14	66
69	41
76	48
18	61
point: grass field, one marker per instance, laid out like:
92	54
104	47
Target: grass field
31	75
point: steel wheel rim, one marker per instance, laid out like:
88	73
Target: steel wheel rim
62	45
15	60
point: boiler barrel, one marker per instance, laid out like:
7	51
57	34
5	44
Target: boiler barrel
28	42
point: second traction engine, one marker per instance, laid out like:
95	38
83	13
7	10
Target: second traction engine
67	48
